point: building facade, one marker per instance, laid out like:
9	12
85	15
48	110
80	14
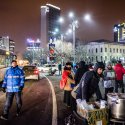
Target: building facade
7	47
104	50
119	32
33	44
50	26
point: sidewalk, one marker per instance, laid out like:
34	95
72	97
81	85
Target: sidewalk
62	110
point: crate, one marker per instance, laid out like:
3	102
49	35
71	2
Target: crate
94	117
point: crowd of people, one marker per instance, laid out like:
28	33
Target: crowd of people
81	82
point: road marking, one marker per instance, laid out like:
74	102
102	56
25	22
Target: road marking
54	114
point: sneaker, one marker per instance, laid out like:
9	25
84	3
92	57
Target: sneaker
4	117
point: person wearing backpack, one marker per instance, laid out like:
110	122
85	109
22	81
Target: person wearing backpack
67	83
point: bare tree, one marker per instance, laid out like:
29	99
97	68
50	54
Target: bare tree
81	53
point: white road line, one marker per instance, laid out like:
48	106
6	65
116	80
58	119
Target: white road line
54	114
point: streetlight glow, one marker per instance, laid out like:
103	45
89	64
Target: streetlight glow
71	14
56	30
87	17
69	31
61	20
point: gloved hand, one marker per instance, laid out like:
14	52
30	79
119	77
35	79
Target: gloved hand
78	101
20	88
4	89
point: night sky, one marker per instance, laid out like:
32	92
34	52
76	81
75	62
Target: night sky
20	19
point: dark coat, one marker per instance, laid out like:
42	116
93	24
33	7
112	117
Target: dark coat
60	67
88	86
80	71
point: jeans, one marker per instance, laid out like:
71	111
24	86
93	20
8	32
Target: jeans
9	101
60	72
67	97
119	84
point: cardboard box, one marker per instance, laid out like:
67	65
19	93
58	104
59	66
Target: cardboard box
94	117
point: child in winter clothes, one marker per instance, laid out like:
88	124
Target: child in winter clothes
109	79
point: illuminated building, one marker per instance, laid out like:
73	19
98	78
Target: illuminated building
103	50
7	47
119	32
49	24
33	44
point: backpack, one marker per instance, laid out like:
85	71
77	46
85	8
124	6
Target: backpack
63	80
62	83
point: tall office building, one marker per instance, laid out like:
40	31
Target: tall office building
50	26
119	32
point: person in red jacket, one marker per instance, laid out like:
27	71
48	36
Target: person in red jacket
120	71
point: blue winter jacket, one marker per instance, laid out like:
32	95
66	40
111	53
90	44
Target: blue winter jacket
13	79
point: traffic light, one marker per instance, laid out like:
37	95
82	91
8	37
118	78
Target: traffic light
51	58
51	52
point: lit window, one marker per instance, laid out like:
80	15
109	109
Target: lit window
120	50
105	58
96	50
105	49
89	50
92	50
101	58
96	58
101	49
110	50
92	59
117	50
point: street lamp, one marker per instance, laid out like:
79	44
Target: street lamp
71	15
74	25
87	17
61	20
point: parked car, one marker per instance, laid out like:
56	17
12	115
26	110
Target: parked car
48	68
31	72
2	72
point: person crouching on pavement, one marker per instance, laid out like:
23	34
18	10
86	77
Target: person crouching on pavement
68	85
13	85
88	86
109	79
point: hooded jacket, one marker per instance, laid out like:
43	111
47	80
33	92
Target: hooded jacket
109	78
80	71
13	79
88	86
120	71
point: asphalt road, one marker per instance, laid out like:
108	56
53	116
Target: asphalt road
37	105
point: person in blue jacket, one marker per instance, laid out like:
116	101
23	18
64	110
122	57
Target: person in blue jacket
13	85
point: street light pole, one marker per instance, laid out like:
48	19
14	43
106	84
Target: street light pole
33	52
74	25
62	39
74	39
